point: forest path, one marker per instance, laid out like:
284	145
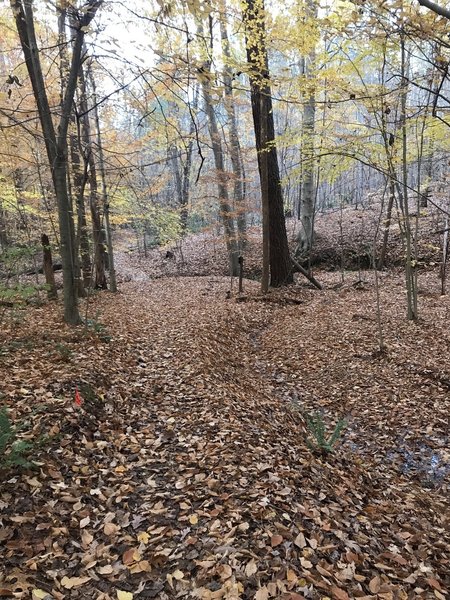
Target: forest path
185	473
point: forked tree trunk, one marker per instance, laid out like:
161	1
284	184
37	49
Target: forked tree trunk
56	139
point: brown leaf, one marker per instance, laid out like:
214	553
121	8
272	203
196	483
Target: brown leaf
110	528
434	583
130	556
375	584
276	540
300	540
73	582
339	593
262	594
251	568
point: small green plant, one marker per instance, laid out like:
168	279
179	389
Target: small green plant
317	430
64	352
13	452
98	328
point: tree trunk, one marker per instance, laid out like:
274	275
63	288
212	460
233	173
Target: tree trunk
387	225
79	176
56	140
4	240
411	284
234	145
308	191
49	273
224	204
104	191
280	260
188	163
88	154
264	174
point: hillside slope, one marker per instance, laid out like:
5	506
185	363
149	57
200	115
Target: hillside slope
344	241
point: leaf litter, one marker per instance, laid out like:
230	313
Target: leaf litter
184	473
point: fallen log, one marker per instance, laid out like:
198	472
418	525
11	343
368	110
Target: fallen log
304	272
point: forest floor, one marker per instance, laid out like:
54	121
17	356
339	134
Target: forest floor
185	472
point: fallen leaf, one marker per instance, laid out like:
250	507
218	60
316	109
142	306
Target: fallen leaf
39	594
251	568
72	582
300	540
262	594
193	519
375	584
110	528
143	537
130	556
121	595
86	538
84	522
105	570
178	574
339	593
276	540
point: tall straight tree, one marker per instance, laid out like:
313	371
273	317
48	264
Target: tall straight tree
56	137
308	187
257	58
205	76
233	135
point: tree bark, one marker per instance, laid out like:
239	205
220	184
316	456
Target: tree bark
104	190
47	268
387	225
56	140
234	145
255	33
224	203
89	158
308	191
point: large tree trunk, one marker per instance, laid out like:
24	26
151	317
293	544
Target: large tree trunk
280	260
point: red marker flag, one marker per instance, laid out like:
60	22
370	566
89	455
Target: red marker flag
78	398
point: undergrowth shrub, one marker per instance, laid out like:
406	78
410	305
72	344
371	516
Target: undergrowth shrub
319	439
13	452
